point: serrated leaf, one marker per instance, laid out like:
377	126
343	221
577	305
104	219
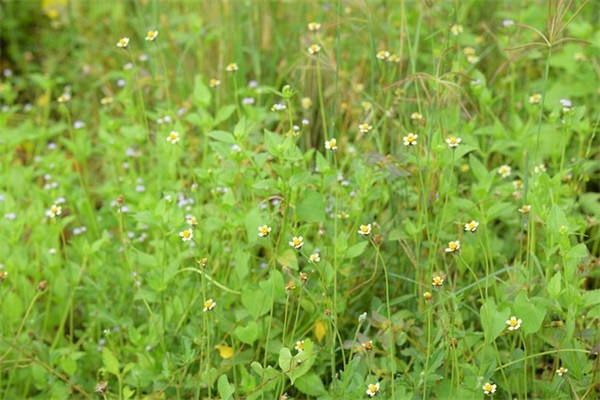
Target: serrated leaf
224	113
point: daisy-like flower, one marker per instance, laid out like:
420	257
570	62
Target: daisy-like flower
151	36
191	220
3	275
123	42
383	54
306	103
314	48
214	82
410	139
427	296
416	116
314	26
579	56
209	305
471	226
394	58
508	22
437	281
297	242
263	231
456	29
232	67
331	144
469	51
539	168
106	101
365	230
303	277
54	211
314	258
535	98
489	388
299	345
343	215
518	184
513	323
561	371
367	346
186	235
453	247
278	107
472	59
173	137
364	128
504	171
372	389
453	141
63	98
525	209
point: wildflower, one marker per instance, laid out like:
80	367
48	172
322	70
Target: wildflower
173	137
202	261
539	168
191	220
263	231
579	56
437	281
364	128
214	82
561	371
372	389
3	275
290	287
78	125
416	116
453	247
525	209
472	59
518	184
362	317
314	26
513	323
151	36
278	107
343	215
365	230
299	345
314	48
331	144
383	54
366	105
508	22
456	29
186	235
101	387
306	103
63	98
42	285
367	346
303	277
54	211
504	171
394	58
489	388
314	258
123	43
232	67
297	242
471	226
106	101
410	139
469	51
209	305
428	296
535	98
453	141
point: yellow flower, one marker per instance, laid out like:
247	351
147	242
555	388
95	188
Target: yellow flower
314	48
106	101
535	98
364	128
365	230
151	36
489	388
437	281
123	43
372	389
314	26
471	226
513	323
209	305
383	54
297	242
232	67
410	139
453	141
3	275
416	116
331	144
214	82
186	235
394	58
306	103
428	296
456	29
579	56
453	247
263	231
518	184
173	137
504	171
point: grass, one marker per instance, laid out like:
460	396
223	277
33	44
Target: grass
461	190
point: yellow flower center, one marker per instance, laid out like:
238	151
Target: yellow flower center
186	234
372	388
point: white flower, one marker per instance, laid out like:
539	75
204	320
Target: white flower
314	48
54	211
297	242
453	247
209	305
489	388
314	258
372	389
504	171
123	43
364	128
186	235
561	371
513	323
410	139
151	35
453	141
263	231
471	226
331	144
173	137
365	230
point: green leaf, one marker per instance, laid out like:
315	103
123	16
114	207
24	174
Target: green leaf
478	169
224	113
493	320
532	315
270	376
311	207
247	334
134	335
289	259
68	365
222	136
554	285
298	365
226	390
255	301
591	297
311	385
110	361
241	263
201	95
356	250
128	392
